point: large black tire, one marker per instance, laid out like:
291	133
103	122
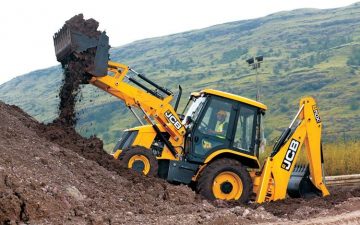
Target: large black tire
139	159
213	181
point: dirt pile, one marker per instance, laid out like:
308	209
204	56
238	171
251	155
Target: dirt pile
288	207
42	180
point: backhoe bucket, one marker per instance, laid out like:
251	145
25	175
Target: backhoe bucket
300	185
68	42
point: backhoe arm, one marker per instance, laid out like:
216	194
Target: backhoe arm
278	168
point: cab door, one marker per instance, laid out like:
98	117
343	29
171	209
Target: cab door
212	131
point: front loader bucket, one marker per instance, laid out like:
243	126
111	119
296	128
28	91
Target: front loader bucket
300	185
68	42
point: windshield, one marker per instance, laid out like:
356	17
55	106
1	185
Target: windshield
195	108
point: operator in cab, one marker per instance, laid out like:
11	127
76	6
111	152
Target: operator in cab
221	124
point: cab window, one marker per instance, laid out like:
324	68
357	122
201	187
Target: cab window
245	130
213	127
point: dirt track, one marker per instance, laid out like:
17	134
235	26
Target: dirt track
51	175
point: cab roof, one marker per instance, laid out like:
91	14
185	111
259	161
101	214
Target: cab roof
231	96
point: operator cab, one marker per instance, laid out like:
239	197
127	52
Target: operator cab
218	120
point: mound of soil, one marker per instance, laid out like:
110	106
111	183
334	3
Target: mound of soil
287	208
53	174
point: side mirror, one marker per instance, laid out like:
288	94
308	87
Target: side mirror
181	117
188	120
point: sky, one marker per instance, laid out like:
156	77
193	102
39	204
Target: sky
27	26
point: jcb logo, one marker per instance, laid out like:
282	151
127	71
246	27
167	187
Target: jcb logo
173	119
290	154
316	114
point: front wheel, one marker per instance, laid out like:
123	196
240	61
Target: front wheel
139	159
225	179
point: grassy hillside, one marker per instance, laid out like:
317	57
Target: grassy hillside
306	52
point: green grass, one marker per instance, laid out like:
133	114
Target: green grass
342	158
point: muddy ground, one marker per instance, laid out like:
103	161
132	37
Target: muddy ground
50	175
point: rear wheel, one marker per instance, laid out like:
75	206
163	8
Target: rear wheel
225	179
139	159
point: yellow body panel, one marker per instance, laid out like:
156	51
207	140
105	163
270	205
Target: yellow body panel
214	154
224	151
235	97
117	153
145	138
256	181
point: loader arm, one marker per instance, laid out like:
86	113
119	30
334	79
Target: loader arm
76	41
153	106
277	170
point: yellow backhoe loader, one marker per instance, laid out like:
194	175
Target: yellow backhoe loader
214	144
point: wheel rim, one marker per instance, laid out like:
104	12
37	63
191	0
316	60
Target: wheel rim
139	163
227	186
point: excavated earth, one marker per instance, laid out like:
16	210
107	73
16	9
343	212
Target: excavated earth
51	175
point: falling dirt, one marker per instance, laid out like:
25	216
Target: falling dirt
74	70
62	130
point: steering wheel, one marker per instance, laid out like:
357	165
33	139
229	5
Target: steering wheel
203	126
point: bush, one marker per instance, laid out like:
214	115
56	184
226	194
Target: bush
233	54
354	106
354	59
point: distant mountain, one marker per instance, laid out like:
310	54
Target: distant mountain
306	52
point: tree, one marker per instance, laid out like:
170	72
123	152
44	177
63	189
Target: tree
354	106
354	59
233	54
